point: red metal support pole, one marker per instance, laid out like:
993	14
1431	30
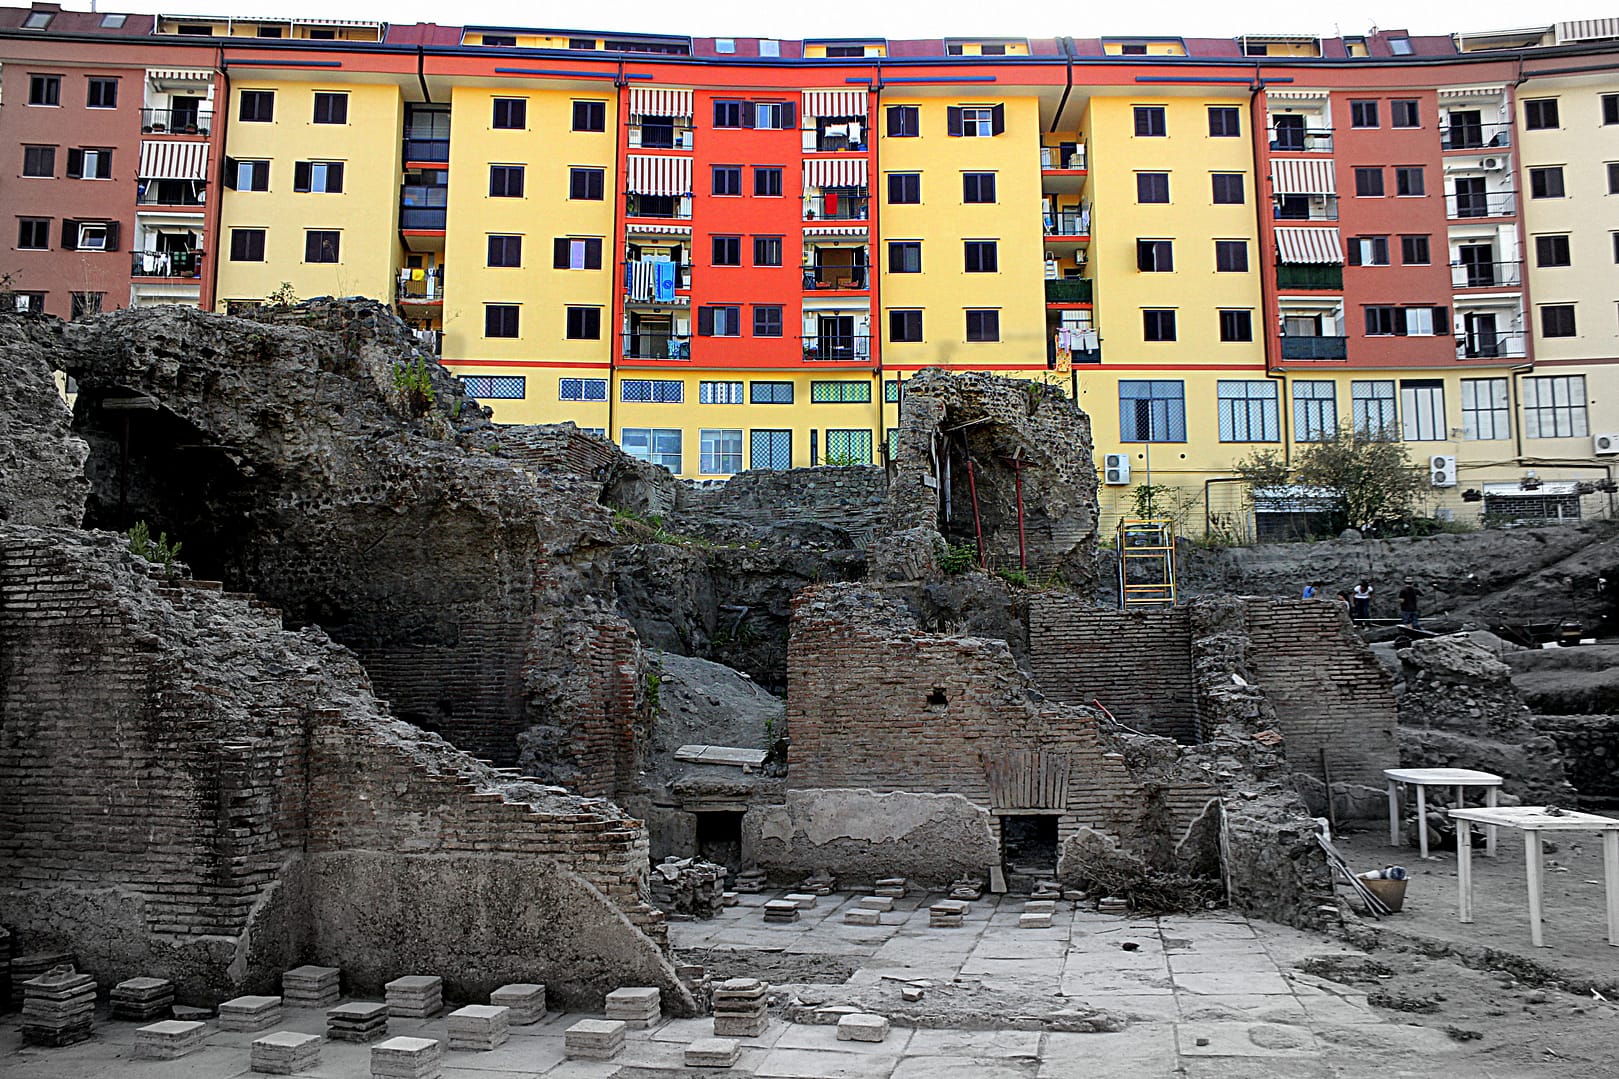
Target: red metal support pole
1022	548
978	524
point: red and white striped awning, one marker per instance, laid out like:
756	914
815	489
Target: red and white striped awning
179	74
1295	95
657	230
1309	247
649	175
645	101
835	172
173	160
827	104
834	230
1472	91
1303	177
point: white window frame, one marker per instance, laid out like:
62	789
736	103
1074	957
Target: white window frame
651	444
1315	413
1559	399
1245	404
722	392
87	229
1486	410
1422	410
718	450
977	122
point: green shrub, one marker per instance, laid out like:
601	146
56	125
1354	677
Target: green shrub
158	550
954	558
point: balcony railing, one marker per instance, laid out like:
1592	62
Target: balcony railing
1066	223
1082	347
1464	136
1301	139
186	263
647	292
426	288
1305	208
1295	347
1290	275
1484	204
669	209
1486	274
660	136
1052	157
1504	346
651	345
161	193
435	151
834	348
425	218
1069	290
834	277
831	139
176	121
836	207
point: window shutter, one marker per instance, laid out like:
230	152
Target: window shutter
1354	253
750	114
593	254
560	251
230	173
75	163
1441	321
997	119
705	322
334	177
952	115
70	234
112	235
1399	322
789	116
300	176
261	175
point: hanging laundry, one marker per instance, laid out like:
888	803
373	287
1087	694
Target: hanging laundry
664	290
643	280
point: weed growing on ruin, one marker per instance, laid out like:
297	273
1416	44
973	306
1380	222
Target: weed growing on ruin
283	296
649	528
415	385
841	460
652	684
158	550
1017	578
957	558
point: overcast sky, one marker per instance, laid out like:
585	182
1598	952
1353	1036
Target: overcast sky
923	18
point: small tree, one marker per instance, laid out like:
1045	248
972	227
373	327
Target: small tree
1371	474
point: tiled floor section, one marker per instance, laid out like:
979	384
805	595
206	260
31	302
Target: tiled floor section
1207	998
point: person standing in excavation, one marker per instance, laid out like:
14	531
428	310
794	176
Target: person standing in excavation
1408	604
1360	602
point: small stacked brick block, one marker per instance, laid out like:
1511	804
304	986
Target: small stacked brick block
25	967
250	1013
637	1007
357	1021
1037	914
286	1052
142	999
862	1027
862	916
740	1008
479	1028
415	996
805	900
523	1001
892	887
407	1058
310	987
1046	889
168	1040
882	904
947	914
750	882
821	882
781	910
58	1008
594	1039
712	1053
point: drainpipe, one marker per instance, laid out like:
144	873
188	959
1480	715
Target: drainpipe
874	309
212	232
615	344
1067	44
421	74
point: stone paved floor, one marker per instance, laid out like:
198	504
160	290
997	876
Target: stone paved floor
1206	997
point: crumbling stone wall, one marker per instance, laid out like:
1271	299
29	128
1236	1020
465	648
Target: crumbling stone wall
1137	663
562	447
1589	746
41	462
796	501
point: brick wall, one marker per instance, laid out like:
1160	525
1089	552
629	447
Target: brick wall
1137	663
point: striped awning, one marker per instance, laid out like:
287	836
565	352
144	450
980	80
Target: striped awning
835	172
1295	95
173	160
645	101
658	230
833	103
834	230
1309	247
1473	91
1303	177
648	175
179	74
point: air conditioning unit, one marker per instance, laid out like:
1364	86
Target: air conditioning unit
1116	469
1442	470
1605	445
1492	163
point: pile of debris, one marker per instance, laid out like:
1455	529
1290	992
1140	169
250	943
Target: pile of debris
689	887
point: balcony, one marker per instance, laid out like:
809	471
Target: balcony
837	137
1069	290
427	151
641	282
837	207
420	286
1302	140
1068	223
837	348
423	218
836	278
666	207
1297	276
1295	347
1506	346
1472	136
176	121
1305	208
169	264
1480	204
652	136
1083	346
656	345
1052	159
181	194
1486	274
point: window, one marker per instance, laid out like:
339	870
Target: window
1546	183
904	188
727	250
975	122
1152	411
505	251
247	175
770	449
981	256
767	320
1540	114
719	452
1158	324
1236	325
904	121
586	44
321	245
983	325
590	116
39	161
29	301
36	20
767	250
774	116
1155	256
45	90
500	320
511	113
1224	122
101	94
652	391
1610	108
1486	412
1369	251
263	31
586	185
1371	406
905	325
727	114
580	389
840	393
1315	411
770	393
113	22
85	304
891	391
904	256
584	324
1409	180
1249	411
655	445
1152	187
256	107
1228	189
1551	251
719	321
1426	321
978	187
1422	405
719	393
1613	177
1231	256
1149	121
323	177
727	179
34	234
1369	183
1554	407
90	235
1414	250
576	253
247	245
1383	321
498	387
1404	114
331	108
767	181
506	181
89	164
848	447
1557	320
1401	46
1363	114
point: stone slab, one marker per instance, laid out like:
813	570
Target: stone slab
862	1027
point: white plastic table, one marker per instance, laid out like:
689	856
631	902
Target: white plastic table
1531	821
1422	779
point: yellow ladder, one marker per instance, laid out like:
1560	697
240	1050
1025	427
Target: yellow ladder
1146	549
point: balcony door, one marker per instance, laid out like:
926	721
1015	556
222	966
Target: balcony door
1466	130
1471	201
836	337
1478	263
1483	341
1289	133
